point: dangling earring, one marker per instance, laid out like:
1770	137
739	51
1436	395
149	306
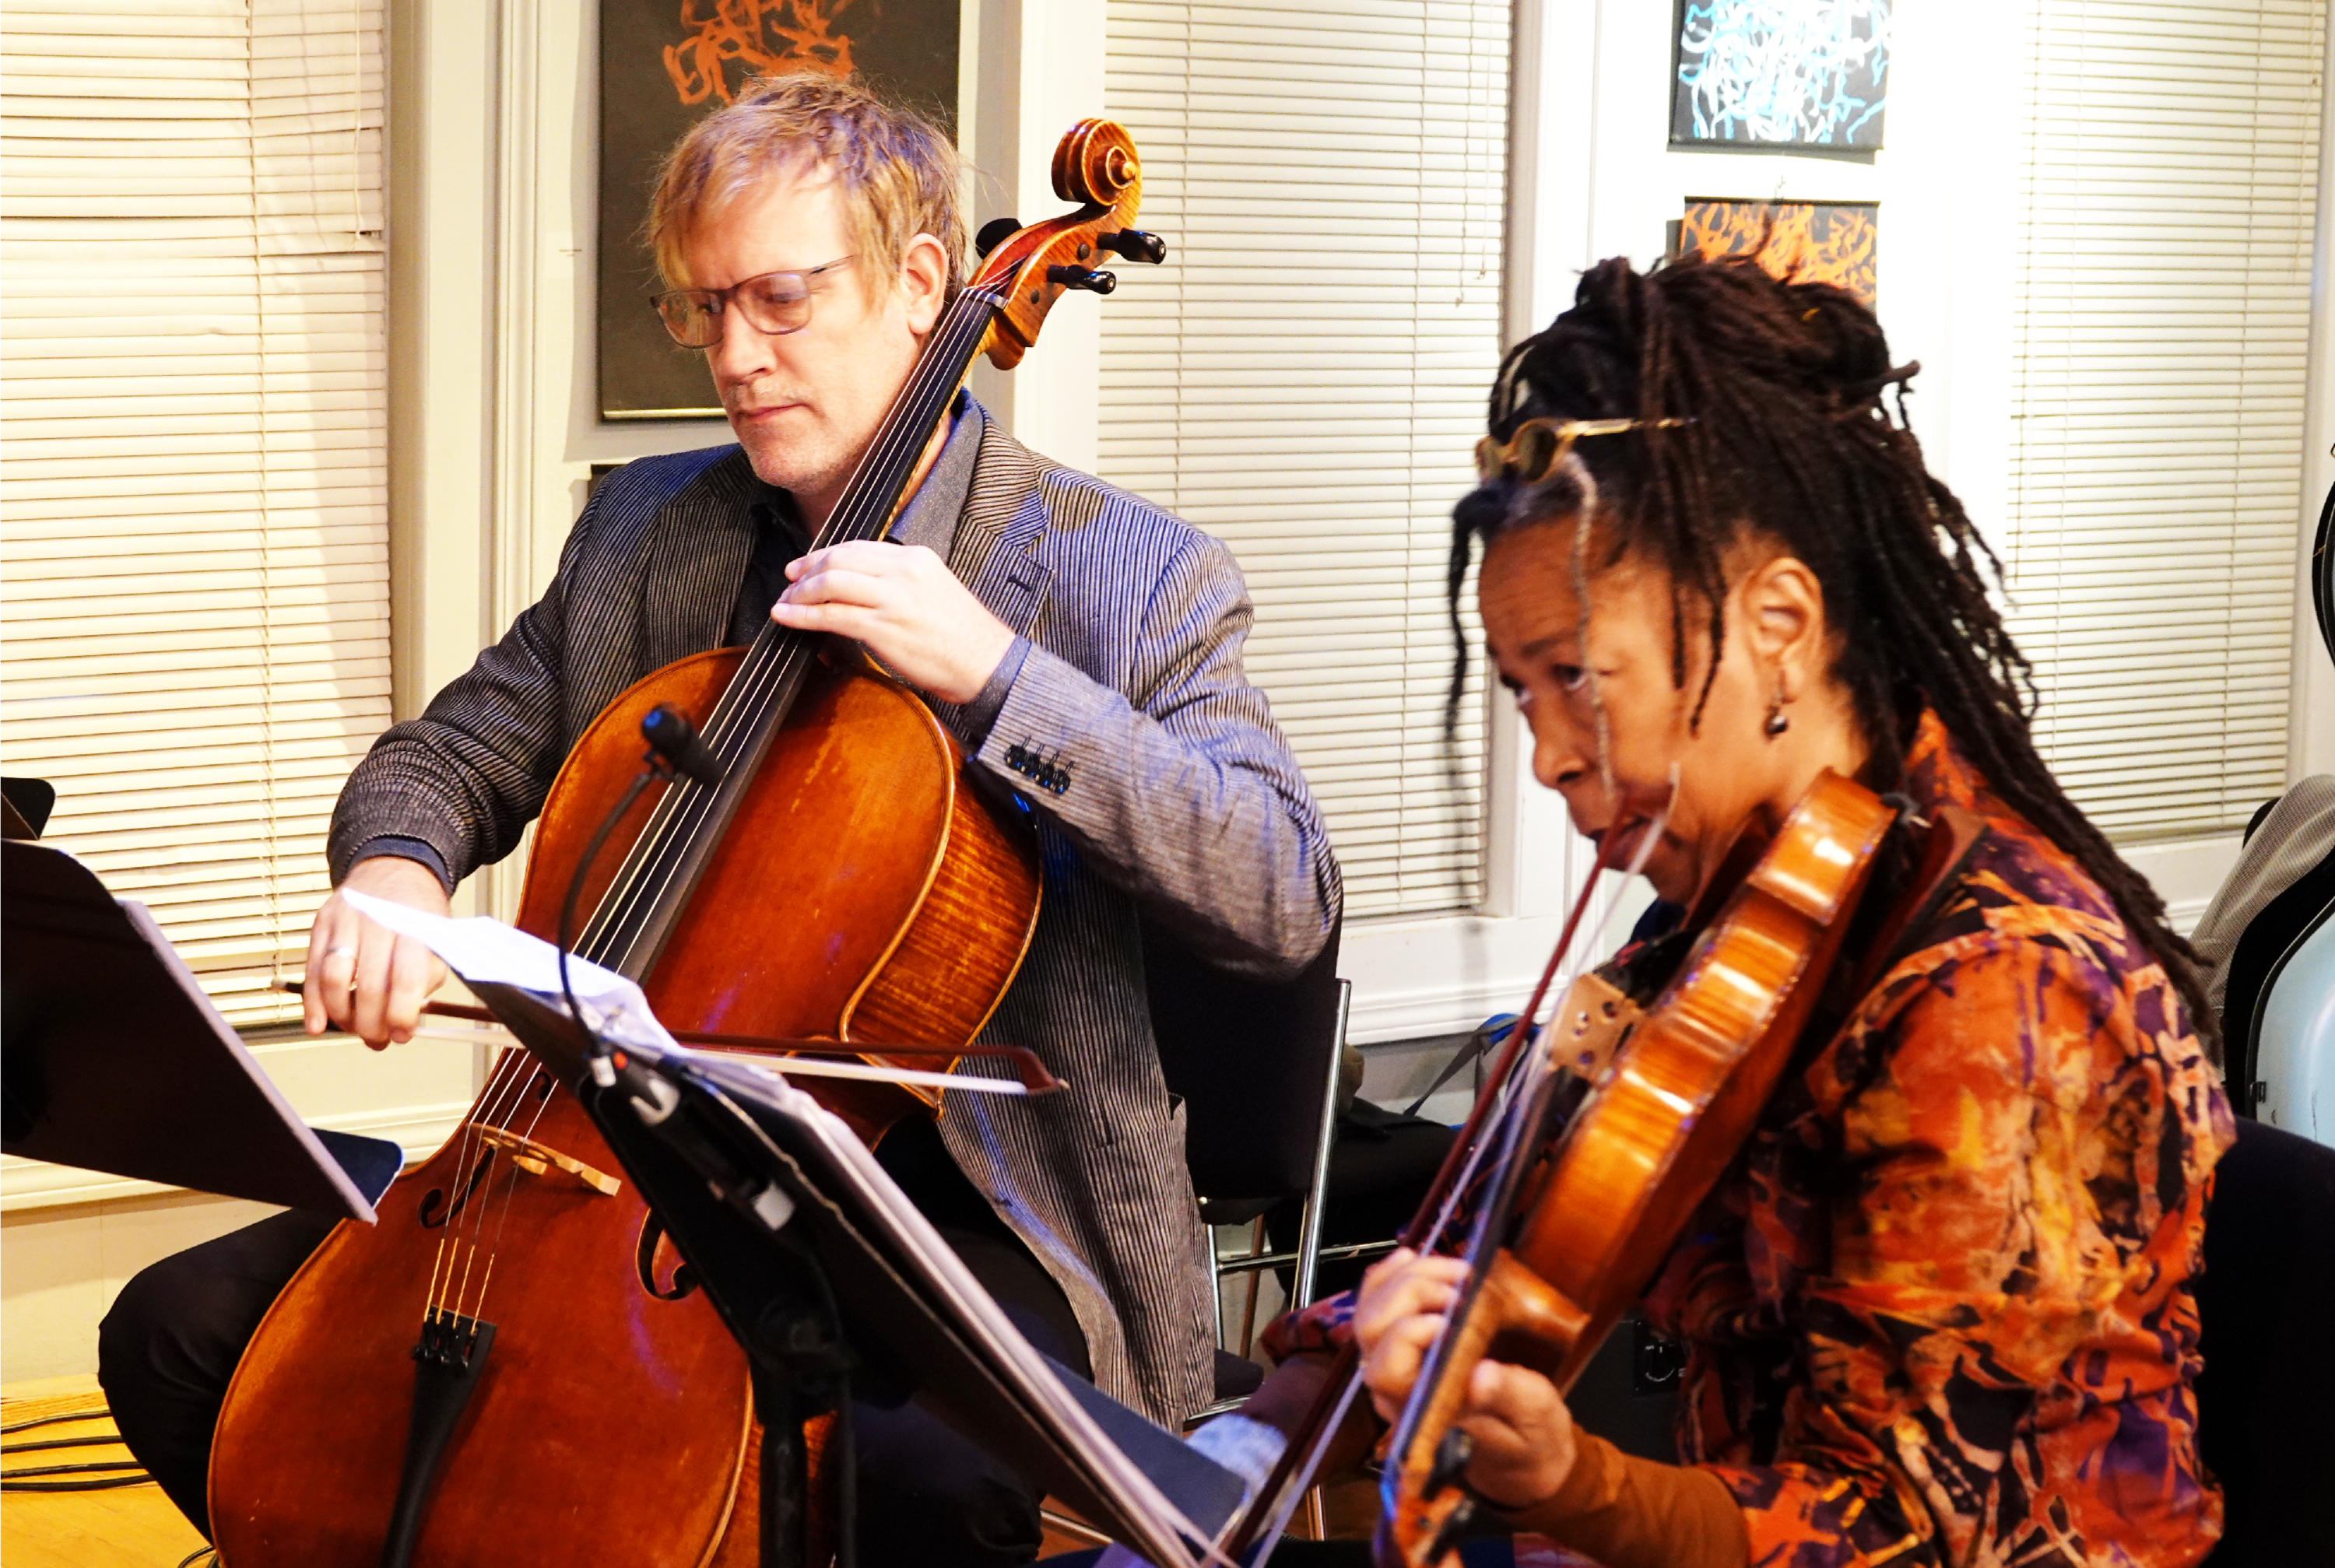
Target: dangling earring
1775	723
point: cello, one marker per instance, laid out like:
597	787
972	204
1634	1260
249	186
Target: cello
445	1387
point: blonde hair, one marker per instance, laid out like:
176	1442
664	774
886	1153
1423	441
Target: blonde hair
898	173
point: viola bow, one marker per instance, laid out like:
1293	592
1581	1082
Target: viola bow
1644	815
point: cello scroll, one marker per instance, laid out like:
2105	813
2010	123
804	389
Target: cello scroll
1096	165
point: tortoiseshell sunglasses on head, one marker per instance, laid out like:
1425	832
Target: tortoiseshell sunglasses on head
1537	447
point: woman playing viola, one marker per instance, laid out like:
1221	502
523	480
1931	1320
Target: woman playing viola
1939	1308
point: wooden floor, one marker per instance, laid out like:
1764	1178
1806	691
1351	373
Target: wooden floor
121	1528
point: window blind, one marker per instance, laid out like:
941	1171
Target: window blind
1306	377
2161	333
194	620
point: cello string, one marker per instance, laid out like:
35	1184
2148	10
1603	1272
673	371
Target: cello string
742	716
769	666
895	441
499	1088
510	1195
527	1075
469	1226
537	1083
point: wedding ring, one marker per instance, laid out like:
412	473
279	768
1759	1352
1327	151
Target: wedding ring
340	953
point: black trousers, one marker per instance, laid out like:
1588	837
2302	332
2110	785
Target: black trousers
171	1344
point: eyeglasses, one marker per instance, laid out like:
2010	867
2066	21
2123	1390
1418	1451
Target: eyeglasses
1539	447
776	302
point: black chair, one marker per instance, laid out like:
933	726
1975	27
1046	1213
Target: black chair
1381	1166
1256	1063
2272	938
1380	1171
2266	1299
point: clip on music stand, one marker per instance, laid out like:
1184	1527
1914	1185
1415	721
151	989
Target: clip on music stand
817	1263
831	1281
112	1058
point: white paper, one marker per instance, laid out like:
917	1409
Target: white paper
486	952
480	949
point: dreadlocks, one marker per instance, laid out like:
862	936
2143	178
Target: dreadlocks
1759	411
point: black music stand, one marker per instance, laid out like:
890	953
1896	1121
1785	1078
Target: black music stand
837	1288
112	1058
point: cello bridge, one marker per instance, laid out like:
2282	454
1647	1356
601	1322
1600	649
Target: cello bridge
537	1159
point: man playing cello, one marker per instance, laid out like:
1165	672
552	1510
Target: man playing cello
811	239
1940	1308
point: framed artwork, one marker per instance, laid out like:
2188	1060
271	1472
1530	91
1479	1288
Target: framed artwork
663	64
1800	74
1834	242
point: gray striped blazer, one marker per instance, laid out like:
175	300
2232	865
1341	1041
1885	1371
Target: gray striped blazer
1169	792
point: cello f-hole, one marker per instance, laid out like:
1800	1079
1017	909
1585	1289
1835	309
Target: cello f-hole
646	1258
433	1220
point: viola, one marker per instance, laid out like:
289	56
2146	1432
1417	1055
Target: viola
1594	1138
1567	1237
451	1385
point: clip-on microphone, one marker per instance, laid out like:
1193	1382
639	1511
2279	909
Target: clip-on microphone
675	751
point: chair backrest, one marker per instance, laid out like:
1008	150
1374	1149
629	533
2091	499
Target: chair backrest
2292	1037
2270	1364
2270	941
1250	1059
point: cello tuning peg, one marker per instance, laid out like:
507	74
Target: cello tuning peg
1082	277
1134	245
994	233
1451	1456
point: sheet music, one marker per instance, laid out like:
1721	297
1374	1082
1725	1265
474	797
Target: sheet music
486	952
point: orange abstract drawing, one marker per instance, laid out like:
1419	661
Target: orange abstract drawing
754	37
1806	241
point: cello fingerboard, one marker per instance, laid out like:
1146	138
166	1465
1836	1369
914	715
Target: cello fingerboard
629	929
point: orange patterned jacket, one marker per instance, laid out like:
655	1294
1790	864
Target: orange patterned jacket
1939	1310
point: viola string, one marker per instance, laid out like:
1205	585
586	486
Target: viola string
1495	1109
1532	1041
1539	1044
1490	1114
